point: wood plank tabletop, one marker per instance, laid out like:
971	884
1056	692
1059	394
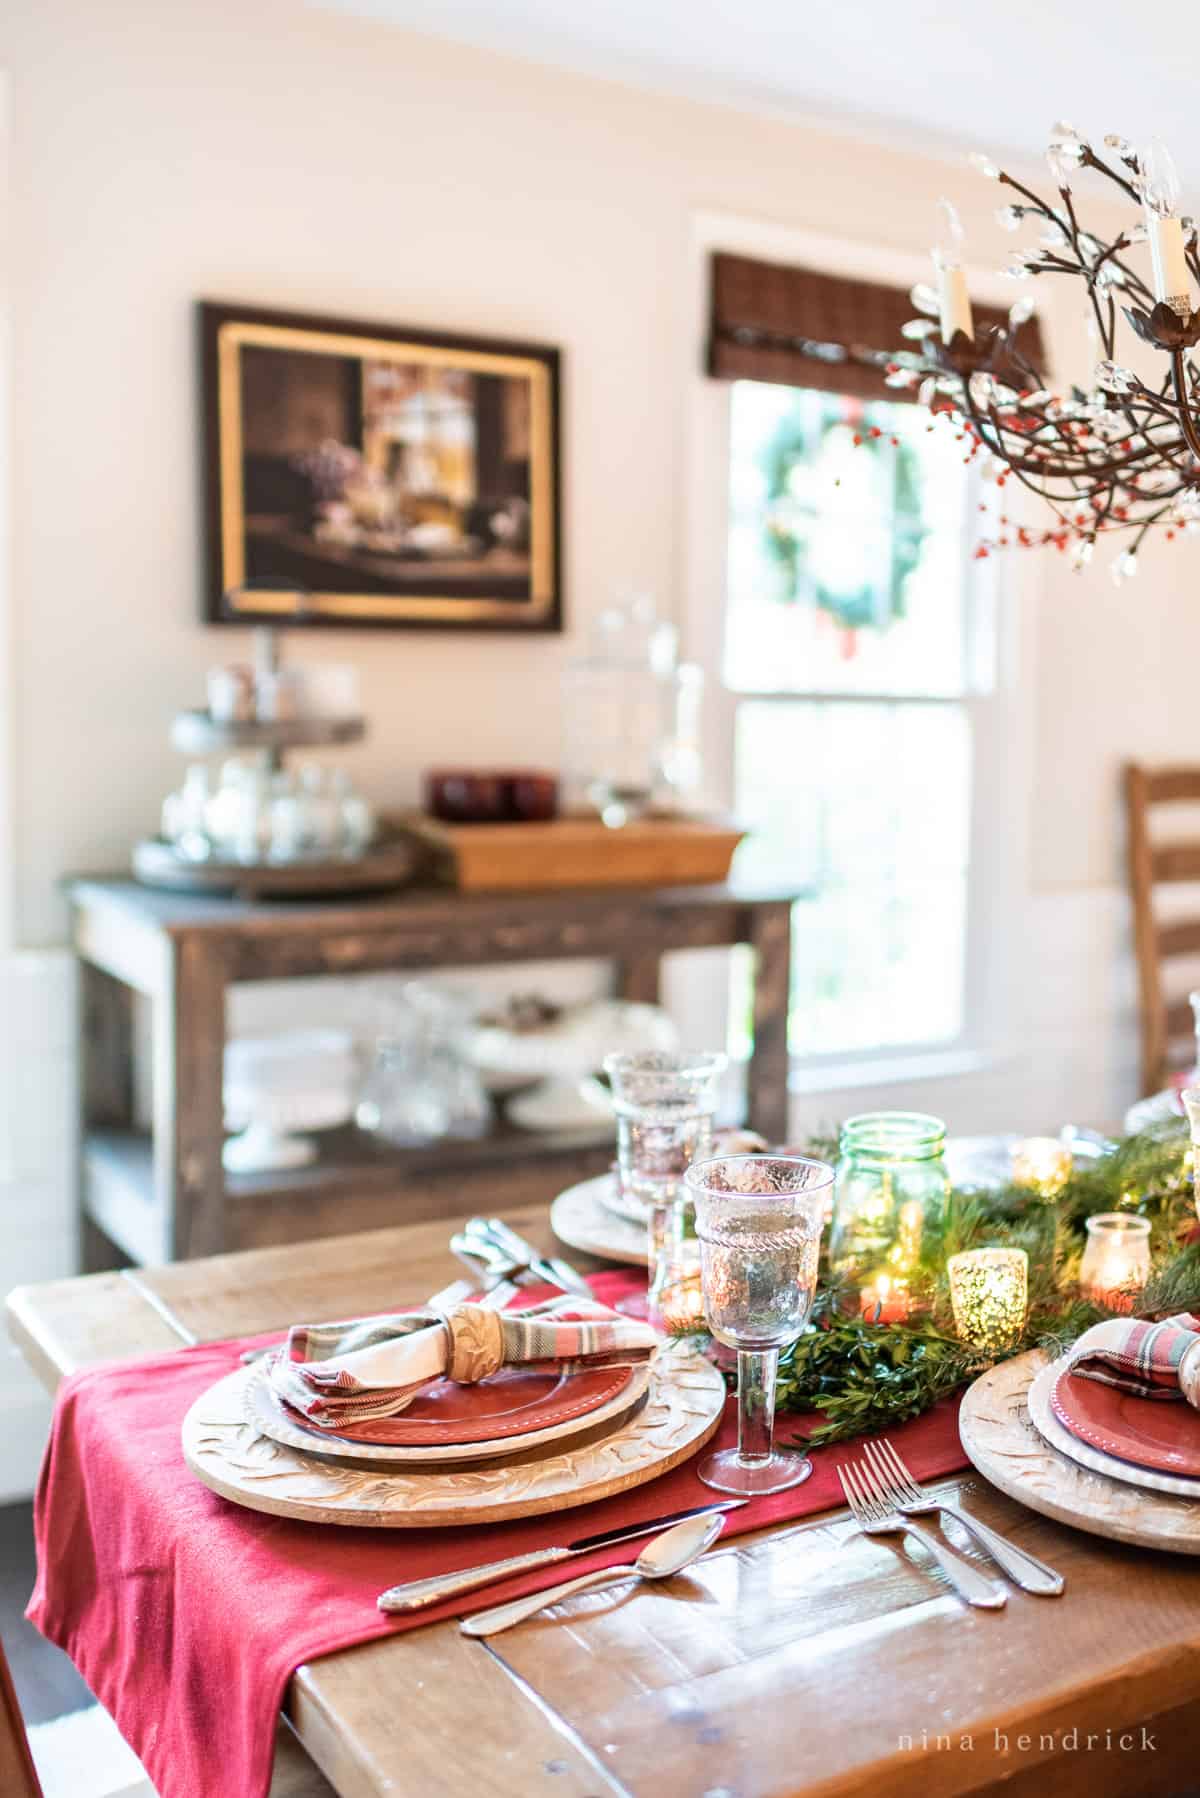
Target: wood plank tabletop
799	1662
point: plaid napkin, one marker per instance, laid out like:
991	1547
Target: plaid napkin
340	1373
1141	1358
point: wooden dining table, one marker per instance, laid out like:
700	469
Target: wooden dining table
805	1659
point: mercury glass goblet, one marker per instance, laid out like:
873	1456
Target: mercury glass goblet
759	1221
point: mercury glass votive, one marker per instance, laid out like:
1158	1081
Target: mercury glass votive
1116	1260
989	1289
1043	1164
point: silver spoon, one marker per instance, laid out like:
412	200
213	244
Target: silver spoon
669	1553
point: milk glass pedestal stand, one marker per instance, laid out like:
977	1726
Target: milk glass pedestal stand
759	1221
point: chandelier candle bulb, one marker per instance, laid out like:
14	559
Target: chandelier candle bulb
1167	251
989	1290
1043	1164
1116	1261
1170	264
954	300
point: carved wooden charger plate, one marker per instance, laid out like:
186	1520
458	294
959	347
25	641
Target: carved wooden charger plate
581	1218
682	1410
1001	1439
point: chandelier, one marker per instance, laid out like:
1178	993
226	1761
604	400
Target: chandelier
1123	456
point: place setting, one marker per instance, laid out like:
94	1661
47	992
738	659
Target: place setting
458	1412
1105	1437
483	1407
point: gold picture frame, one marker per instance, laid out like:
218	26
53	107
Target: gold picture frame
371	475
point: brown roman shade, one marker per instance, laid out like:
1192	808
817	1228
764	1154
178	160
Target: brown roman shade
798	327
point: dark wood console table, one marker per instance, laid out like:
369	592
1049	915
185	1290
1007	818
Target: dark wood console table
163	1195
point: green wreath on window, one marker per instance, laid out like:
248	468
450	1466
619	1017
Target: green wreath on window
788	522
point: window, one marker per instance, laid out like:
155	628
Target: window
853	649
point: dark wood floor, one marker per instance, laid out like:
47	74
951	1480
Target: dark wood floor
47	1684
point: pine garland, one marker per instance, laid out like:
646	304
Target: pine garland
864	1375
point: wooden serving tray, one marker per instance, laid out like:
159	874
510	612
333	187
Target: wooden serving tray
576	852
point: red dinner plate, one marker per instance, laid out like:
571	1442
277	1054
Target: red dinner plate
1161	1434
511	1403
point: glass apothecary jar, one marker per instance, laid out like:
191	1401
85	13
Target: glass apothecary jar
891	1175
632	720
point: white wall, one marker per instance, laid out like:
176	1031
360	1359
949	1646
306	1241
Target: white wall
269	152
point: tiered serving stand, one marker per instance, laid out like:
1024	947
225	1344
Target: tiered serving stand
391	861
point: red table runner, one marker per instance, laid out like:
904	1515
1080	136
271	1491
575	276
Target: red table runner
187	1615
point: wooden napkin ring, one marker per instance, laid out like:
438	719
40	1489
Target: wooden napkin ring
476	1343
1189	1374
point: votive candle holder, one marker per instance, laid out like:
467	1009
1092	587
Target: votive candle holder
1043	1164
1116	1259
989	1290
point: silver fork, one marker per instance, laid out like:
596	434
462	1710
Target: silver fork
875	1516
908	1496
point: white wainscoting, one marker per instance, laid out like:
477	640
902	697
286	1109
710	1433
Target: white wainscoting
38	1176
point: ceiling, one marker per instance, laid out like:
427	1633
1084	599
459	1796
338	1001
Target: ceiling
928	73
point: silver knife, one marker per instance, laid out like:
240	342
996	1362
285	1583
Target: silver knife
548	1268
416	1594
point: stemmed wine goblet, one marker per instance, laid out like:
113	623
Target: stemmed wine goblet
664	1103
759	1221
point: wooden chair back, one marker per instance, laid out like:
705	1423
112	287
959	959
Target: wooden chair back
1167	1028
17	1776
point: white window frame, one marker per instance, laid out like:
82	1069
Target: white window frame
998	698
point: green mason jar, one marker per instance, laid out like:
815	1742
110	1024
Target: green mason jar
891	1175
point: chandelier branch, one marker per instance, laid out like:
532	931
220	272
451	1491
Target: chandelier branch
1122	455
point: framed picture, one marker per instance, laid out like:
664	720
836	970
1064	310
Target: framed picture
361	474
